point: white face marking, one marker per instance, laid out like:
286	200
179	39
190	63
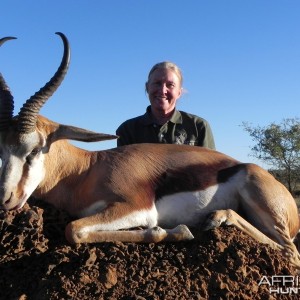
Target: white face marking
36	171
36	175
191	207
18	184
144	218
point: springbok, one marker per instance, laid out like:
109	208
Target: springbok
142	185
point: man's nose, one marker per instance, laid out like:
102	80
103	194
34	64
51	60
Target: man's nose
163	88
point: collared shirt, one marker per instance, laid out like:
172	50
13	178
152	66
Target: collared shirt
182	128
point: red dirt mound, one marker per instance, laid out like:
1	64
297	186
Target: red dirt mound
36	262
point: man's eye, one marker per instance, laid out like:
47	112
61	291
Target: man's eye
157	83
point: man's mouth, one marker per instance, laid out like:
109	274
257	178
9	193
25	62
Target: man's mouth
161	99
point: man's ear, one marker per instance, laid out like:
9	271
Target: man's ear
180	92
146	87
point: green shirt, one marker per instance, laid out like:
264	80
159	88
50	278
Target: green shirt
182	128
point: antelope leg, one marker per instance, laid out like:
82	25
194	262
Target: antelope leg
151	235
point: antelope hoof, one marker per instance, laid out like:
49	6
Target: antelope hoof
215	220
179	233
72	236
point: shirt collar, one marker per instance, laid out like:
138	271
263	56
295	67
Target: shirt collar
147	118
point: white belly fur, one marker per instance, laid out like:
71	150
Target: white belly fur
190	208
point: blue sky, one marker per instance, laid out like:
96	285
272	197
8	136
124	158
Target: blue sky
240	60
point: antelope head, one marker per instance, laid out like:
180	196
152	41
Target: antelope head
25	139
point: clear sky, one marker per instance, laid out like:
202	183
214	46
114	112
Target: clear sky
240	60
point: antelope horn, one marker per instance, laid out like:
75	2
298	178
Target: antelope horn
29	111
6	98
3	40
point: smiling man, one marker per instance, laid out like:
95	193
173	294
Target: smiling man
162	123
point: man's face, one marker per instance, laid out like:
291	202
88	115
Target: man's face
164	88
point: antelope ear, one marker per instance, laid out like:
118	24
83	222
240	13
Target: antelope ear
79	134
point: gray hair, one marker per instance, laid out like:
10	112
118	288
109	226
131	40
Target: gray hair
167	65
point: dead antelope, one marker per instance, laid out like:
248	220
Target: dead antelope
142	185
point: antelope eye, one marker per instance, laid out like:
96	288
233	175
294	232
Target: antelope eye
35	151
32	155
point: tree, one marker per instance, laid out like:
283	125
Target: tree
278	145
